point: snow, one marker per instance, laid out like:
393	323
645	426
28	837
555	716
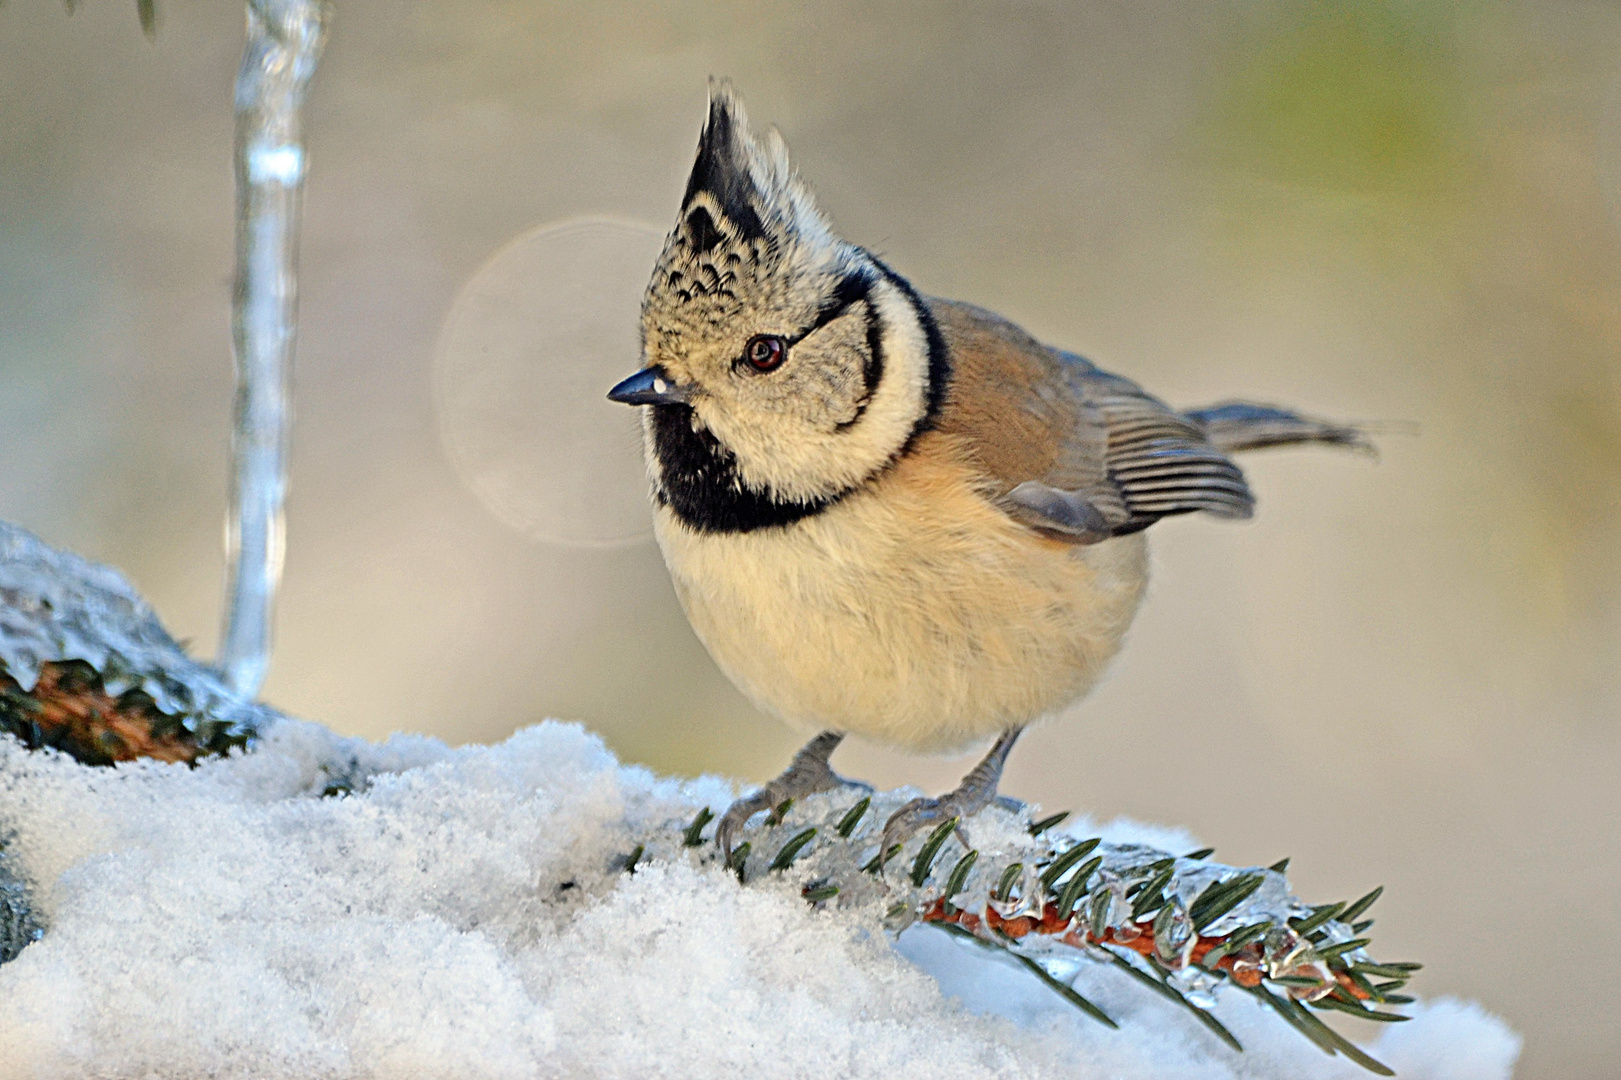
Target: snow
324	907
465	912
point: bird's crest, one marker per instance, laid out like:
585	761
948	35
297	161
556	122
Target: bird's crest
742	188
749	238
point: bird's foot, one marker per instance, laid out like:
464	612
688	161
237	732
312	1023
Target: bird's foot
975	793
920	814
807	774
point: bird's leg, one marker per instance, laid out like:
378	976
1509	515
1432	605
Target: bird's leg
807	774
977	791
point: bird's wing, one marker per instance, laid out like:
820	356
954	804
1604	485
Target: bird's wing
1068	449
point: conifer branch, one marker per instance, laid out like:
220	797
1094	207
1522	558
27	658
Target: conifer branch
1181	927
86	668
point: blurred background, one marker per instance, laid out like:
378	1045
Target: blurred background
1402	672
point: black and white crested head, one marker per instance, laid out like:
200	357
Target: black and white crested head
800	365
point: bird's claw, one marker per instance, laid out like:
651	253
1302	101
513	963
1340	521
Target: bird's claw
769	797
807	774
975	793
737	816
925	813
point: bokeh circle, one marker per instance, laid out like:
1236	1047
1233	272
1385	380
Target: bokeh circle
525	357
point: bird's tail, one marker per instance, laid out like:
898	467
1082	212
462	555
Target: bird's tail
1242	425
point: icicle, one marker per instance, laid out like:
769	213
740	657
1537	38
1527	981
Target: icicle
284	44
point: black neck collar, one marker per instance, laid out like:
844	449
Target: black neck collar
698	478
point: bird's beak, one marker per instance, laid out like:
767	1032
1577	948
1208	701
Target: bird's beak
650	386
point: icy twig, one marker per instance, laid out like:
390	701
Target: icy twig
86	668
145	10
1180	926
284	44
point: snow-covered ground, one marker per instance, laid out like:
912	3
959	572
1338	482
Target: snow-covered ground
466	913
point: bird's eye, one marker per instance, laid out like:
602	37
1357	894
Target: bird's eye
765	353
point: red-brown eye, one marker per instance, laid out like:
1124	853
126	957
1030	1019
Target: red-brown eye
765	353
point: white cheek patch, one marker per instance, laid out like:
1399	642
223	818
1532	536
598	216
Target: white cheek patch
902	395
798	461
